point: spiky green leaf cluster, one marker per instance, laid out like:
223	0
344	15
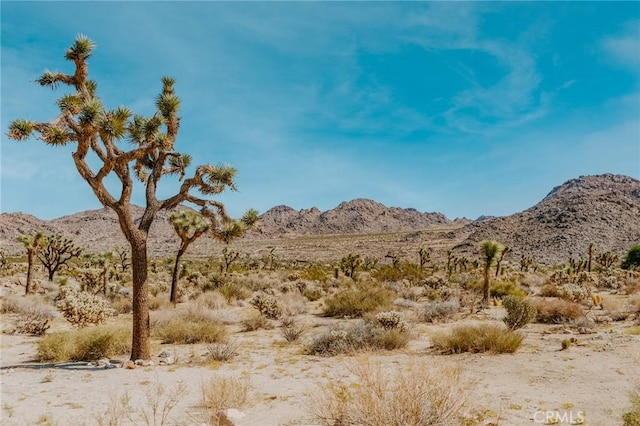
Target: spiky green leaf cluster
189	223
90	112
53	135
20	129
70	103
81	48
229	231
168	104
51	79
114	124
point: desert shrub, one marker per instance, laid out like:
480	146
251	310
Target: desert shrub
356	301
85	344
292	304
290	329
35	319
256	322
632	417
267	305
222	393
82	309
519	312
214	281
14	304
501	289
223	350
557	310
187	327
413	395
478	338
211	300
122	305
632	258
313	293
359	336
158	302
632	284
316	273
390	320
440	311
233	291
435	282
33	313
573	292
549	290
402	271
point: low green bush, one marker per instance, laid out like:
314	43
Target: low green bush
357	300
85	344
519	312
357	337
478	338
187	327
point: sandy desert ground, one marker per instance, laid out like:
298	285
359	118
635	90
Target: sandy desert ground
588	383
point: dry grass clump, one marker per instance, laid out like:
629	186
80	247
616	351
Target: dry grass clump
122	305
477	338
233	291
632	417
85	344
358	300
221	393
411	396
33	314
555	311
439	311
159	302
292	303
290	329
256	322
211	300
222	351
359	336
187	327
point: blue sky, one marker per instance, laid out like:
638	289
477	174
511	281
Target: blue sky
464	108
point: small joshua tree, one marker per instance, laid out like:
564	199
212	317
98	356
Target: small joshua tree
34	246
506	250
189	226
56	252
489	251
350	264
424	256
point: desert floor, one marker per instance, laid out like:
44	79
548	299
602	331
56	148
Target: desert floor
591	380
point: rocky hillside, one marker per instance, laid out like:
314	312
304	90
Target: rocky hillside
603	209
95	230
359	216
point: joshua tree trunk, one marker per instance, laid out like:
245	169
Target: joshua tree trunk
140	347
30	254
486	288
174	277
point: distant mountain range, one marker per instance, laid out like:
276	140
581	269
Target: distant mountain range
604	209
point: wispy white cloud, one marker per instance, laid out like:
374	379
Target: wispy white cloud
624	48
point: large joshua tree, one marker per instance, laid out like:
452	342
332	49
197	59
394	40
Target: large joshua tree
489	251
96	131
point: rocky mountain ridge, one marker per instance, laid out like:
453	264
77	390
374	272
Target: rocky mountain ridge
603	209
